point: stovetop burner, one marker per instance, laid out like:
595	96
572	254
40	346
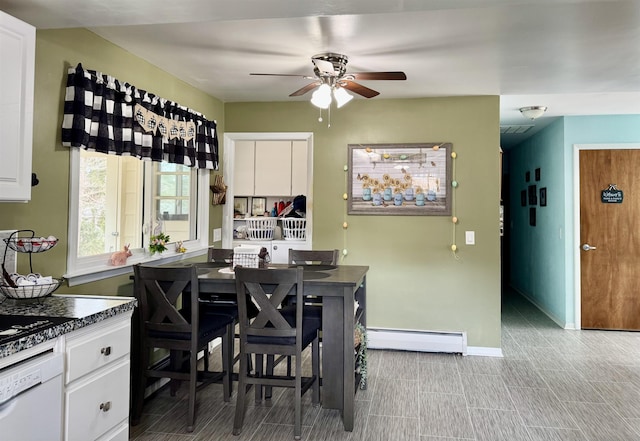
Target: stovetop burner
14	327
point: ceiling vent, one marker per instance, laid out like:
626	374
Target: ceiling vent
514	129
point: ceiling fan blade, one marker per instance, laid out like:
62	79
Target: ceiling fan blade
306	77
363	76
359	89
324	66
305	89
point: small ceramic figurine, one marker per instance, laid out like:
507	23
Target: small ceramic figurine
120	257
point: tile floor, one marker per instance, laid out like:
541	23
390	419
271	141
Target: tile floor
551	385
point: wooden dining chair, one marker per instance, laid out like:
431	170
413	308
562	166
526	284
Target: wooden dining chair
172	320
313	257
313	305
273	332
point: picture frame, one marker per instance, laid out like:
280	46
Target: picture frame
523	198
533	195
240	206
532	216
400	179
527	176
537	174
543	197
258	206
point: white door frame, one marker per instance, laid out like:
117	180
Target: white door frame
576	215
228	164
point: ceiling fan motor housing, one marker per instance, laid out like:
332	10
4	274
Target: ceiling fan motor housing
338	61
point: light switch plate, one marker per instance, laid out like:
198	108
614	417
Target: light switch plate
470	237
217	234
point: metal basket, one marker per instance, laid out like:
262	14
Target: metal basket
29	291
261	228
294	228
30	244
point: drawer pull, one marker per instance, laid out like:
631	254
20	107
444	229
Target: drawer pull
106	351
105	406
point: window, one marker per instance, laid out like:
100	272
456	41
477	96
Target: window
121	200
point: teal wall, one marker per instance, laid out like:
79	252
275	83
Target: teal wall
543	257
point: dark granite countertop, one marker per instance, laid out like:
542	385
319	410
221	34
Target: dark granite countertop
80	311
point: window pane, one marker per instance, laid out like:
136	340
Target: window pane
92	205
110	203
173	200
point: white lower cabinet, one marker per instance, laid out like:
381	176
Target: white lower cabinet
280	249
97	381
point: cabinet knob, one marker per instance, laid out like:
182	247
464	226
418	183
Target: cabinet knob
105	406
106	351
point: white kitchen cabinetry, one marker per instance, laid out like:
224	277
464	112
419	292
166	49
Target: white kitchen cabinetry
97	381
17	52
273	168
299	161
243	171
280	249
270	168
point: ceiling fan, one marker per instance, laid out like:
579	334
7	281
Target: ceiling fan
331	70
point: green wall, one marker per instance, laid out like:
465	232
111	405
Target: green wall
47	213
415	281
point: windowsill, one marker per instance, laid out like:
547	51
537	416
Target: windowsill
101	272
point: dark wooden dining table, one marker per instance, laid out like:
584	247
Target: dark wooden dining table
340	288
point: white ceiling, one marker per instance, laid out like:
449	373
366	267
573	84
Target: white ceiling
577	57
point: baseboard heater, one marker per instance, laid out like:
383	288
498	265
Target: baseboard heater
419	341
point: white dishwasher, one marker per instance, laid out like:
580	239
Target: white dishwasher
31	399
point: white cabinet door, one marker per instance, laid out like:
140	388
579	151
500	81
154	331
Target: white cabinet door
280	249
299	158
243	168
273	168
17	52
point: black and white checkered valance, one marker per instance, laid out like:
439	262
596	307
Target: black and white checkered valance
104	115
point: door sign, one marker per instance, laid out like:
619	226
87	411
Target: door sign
611	195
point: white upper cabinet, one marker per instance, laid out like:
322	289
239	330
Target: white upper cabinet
299	161
273	168
243	176
17	55
270	168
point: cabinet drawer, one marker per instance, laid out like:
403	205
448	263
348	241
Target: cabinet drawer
89	351
98	404
121	433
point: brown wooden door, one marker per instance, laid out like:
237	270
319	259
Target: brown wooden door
610	273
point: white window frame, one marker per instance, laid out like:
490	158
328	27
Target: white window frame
93	268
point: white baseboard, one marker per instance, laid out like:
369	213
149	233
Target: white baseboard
482	351
420	341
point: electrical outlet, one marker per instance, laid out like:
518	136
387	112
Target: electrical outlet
470	237
217	234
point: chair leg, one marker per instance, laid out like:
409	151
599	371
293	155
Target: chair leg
315	368
241	395
297	428
258	373
175	361
138	396
193	371
227	362
268	390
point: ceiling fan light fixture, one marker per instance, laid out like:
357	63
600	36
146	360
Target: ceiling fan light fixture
341	96
322	97
533	112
